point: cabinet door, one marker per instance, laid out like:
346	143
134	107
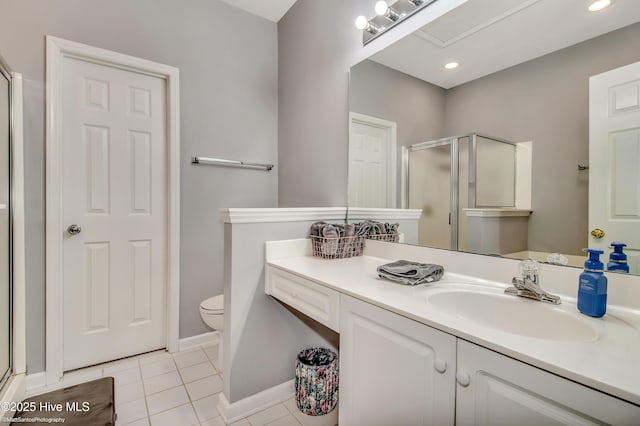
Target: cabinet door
393	371
494	389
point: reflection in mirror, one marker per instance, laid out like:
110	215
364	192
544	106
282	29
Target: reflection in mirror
522	91
448	179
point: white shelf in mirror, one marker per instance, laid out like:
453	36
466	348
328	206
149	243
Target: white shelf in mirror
358	213
497	212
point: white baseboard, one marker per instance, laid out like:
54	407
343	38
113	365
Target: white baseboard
209	338
231	412
13	392
35	381
14	389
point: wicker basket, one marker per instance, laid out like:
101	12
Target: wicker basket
337	248
343	247
316	382
392	238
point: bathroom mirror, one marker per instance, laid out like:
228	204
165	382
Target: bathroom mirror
512	118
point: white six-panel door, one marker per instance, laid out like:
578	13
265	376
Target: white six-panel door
614	159
372	157
114	188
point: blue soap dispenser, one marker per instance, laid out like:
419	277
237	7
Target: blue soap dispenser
617	259
592	288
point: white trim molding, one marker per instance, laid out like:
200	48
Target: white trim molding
35	381
210	338
18	229
359	213
57	50
298	214
301	214
231	412
13	391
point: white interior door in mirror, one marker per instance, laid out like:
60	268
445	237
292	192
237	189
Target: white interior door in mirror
614	159
114	186
372	162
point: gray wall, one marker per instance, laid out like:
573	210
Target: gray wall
317	43
546	100
415	105
228	81
262	337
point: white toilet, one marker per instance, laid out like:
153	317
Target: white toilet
212	312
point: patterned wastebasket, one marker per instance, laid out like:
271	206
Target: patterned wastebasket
317	381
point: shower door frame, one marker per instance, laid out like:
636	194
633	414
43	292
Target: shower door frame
6	375
454	180
13	388
473	165
454	141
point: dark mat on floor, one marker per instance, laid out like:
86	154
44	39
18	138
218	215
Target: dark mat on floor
85	404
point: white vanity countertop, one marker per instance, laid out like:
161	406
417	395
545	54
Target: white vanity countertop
608	363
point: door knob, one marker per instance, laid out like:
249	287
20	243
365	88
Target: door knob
440	365
74	229
597	233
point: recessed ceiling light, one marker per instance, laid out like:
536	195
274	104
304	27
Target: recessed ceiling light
451	65
599	5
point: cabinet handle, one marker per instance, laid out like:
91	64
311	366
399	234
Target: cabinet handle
440	365
463	379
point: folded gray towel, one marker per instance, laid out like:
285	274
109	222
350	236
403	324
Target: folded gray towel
370	227
410	273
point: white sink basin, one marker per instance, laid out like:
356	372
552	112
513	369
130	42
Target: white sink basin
514	315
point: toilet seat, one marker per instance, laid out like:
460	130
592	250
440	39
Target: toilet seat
213	305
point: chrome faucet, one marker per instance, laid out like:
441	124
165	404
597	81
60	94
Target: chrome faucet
528	285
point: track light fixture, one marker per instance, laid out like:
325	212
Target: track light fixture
383	9
363	24
387	16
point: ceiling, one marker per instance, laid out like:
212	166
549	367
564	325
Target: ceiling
272	10
482	40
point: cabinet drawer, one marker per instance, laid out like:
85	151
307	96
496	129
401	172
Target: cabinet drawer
313	300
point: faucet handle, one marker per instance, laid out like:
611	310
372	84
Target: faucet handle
529	269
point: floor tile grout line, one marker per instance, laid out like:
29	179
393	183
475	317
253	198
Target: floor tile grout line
144	392
185	390
190	402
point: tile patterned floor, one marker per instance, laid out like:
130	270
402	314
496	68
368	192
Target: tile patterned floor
181	389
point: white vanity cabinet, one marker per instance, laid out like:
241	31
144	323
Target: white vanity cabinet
393	370
493	389
398	371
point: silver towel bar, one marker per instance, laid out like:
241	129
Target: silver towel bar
230	163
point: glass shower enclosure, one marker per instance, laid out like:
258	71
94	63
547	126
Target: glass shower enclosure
446	176
6	297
